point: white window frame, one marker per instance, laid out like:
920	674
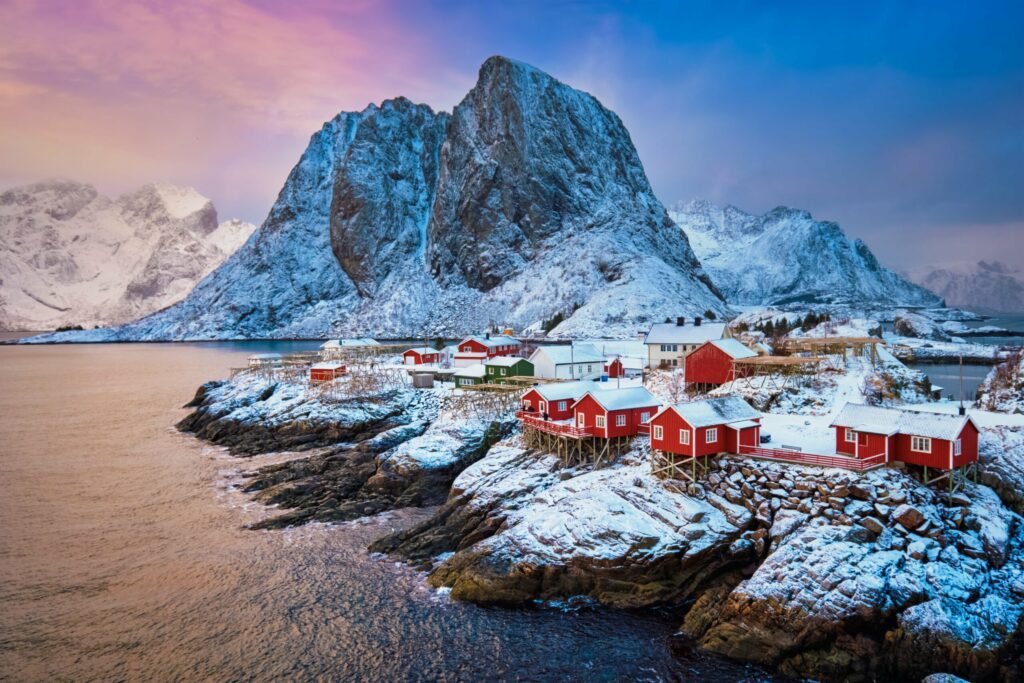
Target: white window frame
645	418
958	448
620	420
581	420
921	444
562	406
849	435
503	372
658	432
711	435
542	407
599	421
684	437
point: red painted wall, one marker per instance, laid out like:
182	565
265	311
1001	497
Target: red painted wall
533	398
842	447
671	423
615	369
968	445
320	375
708	364
421	358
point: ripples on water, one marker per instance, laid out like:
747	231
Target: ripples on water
122	556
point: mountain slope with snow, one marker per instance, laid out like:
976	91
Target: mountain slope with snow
527	200
70	256
785	256
985	285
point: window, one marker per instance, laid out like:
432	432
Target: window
581	420
921	444
620	420
563	405
503	372
711	435
675	362
543	406
599	421
850	436
658	432
590	368
644	417
684	437
957	447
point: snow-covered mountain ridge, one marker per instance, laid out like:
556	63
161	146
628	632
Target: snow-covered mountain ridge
71	256
527	200
985	285
786	256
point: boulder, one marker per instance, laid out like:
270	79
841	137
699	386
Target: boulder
908	516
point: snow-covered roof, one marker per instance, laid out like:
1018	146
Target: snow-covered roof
714	411
743	424
476	370
569	354
670	333
734	348
423	350
560	391
624	399
503	361
327	365
355	341
879	420
496	340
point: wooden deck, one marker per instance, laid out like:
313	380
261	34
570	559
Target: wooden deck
801	458
558	428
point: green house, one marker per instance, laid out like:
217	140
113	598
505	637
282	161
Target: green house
501	368
470	375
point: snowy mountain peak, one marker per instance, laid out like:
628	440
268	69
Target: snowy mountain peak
787	256
525	203
985	285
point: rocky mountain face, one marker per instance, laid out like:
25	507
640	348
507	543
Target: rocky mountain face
786	256
527	200
70	256
985	285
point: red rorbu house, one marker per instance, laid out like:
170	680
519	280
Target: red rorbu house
327	371
614	413
553	401
615	369
684	432
473	350
423	355
916	437
711	363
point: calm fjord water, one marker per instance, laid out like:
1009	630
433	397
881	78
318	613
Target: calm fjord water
122	556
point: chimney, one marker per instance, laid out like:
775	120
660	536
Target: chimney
963	411
487	335
696	321
680	321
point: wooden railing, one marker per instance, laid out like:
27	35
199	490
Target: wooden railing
557	428
801	458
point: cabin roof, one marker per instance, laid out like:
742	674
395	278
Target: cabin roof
504	361
491	342
714	411
327	365
624	399
670	333
423	349
476	370
880	420
733	348
570	354
560	391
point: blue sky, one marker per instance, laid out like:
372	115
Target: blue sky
904	122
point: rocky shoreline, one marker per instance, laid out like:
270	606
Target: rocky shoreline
814	572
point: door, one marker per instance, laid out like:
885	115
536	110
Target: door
581	420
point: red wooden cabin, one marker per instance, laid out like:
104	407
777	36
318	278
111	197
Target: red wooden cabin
912	436
327	371
699	428
554	399
472	350
711	363
615	369
423	355
611	413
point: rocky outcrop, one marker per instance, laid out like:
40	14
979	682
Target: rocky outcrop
883	578
908	324
398	220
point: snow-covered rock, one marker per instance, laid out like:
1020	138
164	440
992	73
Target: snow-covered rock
908	324
401	221
786	256
985	285
70	256
1003	388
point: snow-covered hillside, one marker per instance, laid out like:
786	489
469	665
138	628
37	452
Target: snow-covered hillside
527	200
785	256
989	286
70	256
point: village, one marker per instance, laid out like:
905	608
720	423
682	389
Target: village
686	391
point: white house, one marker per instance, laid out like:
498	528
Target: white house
568	361
669	343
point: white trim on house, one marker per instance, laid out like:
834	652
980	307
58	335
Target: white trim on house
620	420
658	432
921	444
711	435
684	437
849	435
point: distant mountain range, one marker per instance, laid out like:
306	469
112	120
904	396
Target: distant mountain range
786	256
988	286
71	256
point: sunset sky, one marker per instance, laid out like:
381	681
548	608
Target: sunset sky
905	125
